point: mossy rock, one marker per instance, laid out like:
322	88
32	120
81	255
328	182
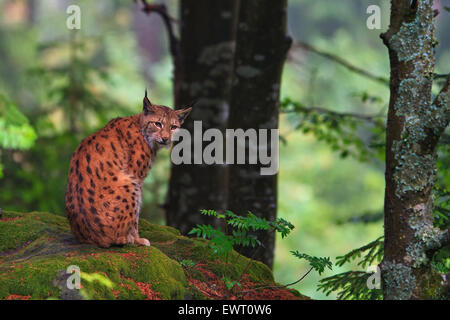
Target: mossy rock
37	248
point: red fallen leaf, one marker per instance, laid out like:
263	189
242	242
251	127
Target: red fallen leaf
17	297
125	285
147	291
214	288
9	219
115	293
129	255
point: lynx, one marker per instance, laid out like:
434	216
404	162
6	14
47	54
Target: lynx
106	173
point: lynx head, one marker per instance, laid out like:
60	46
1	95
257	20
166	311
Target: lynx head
158	123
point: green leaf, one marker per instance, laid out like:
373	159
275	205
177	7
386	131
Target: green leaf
318	263
15	130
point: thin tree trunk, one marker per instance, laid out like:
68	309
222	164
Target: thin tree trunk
415	124
261	49
203	72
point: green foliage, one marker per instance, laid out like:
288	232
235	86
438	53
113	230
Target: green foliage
222	243
441	192
74	88
72	93
353	284
317	263
15	130
343	132
187	263
441	260
230	284
373	252
350	285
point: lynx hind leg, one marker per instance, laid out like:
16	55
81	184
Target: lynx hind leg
130	203
135	226
120	241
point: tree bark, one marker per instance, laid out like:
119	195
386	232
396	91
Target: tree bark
415	124
203	72
261	48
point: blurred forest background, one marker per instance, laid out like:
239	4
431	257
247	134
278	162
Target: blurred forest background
57	86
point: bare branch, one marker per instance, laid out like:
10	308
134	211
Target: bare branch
168	20
339	60
368	118
441	101
445	91
440	76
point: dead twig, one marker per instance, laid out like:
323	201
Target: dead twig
368	118
161	10
342	62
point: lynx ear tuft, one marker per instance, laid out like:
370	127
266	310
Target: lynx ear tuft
184	112
147	104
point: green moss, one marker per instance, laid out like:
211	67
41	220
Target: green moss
299	295
155	233
37	248
194	294
232	266
141	264
257	271
17	229
185	248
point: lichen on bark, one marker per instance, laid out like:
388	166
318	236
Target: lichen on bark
415	124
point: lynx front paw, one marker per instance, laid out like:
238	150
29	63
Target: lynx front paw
142	242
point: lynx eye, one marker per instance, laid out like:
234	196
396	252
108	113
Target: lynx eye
173	127
158	124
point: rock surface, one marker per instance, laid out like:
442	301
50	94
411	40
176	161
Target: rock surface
37	248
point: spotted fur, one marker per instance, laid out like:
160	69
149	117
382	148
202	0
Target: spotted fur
107	170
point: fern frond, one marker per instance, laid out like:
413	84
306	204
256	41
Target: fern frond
318	263
375	251
350	285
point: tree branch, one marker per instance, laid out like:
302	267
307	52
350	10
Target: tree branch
440	76
161	10
442	104
368	118
442	99
342	62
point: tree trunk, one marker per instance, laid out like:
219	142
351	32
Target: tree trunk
203	72
414	126
261	49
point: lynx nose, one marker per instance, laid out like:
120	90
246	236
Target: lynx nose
164	140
